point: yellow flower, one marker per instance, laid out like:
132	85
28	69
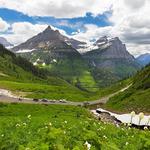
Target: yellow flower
132	115
141	116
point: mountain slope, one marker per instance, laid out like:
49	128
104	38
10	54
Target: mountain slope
136	97
49	38
144	59
52	51
111	61
20	76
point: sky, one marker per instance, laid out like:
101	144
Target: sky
85	20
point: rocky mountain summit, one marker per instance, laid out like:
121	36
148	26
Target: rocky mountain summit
49	38
111	60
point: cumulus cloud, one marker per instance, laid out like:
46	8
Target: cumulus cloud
131	23
21	31
58	8
3	25
130	19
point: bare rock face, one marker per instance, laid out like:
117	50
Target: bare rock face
112	55
4	42
110	49
49	38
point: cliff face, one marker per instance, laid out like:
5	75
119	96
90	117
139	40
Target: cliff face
110	49
111	56
49	38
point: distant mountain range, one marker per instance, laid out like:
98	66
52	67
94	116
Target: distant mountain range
144	59
5	43
107	62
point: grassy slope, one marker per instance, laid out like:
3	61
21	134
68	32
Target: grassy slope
137	97
16	78
63	128
71	68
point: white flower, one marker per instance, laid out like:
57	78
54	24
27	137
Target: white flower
43	64
2	135
145	128
35	63
88	145
29	116
132	115
127	143
17	125
66	122
141	116
50	124
105	137
24	124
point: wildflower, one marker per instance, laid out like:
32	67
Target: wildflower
141	116
2	135
145	128
132	115
127	143
46	127
65	121
24	124
17	125
104	137
129	124
87	145
29	116
50	124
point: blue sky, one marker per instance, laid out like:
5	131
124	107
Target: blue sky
85	20
70	25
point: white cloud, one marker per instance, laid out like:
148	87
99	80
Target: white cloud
130	18
3	25
131	23
21	31
58	8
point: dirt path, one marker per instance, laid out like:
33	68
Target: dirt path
6	97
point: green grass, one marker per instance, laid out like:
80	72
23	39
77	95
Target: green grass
131	100
58	90
137	97
63	128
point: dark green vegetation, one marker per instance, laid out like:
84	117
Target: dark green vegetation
66	65
100	67
24	78
137	97
42	127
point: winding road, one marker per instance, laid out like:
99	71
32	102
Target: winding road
8	98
